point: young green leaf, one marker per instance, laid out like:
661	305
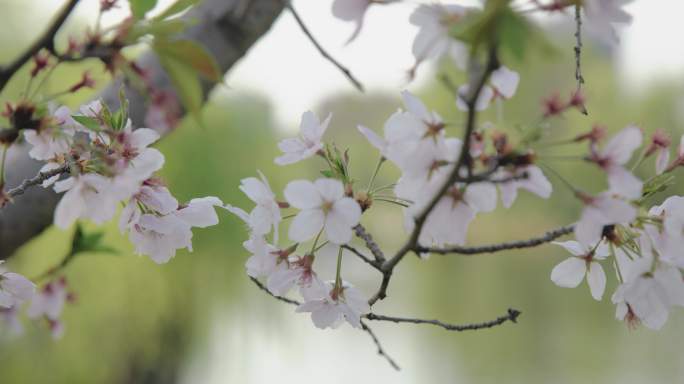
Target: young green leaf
89	122
176	8
140	7
186	83
192	54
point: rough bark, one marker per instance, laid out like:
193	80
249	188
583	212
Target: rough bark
227	28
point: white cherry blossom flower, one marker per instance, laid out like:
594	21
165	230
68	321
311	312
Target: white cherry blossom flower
535	182
154	197
330	307
433	40
160	236
505	82
603	14
307	144
650	289
571	272
54	140
88	196
323	207
600	211
9	320
296	271
351	10
613	157
265	257
266	215
14	288
483	99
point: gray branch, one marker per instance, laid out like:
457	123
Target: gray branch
227	28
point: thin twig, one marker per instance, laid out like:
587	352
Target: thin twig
372	246
492	248
381	351
281	298
578	58
36	180
511	315
47	40
363	257
345	71
578	46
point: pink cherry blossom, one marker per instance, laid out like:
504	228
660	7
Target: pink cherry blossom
505	82
89	196
483	99
49	301
266	214
603	14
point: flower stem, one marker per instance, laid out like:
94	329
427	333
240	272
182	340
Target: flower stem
338	280
313	247
375	173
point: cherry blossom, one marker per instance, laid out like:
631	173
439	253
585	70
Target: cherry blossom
613	157
534	182
433	40
602	14
51	141
10	318
483	99
296	271
649	290
351	10
660	145
323	207
265	257
605	209
307	144
505	82
159	236
89	196
331	305
14	288
266	214
49	303
571	272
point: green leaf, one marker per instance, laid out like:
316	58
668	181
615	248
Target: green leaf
186	83
192	54
176	8
656	184
328	173
157	28
88	242
140	7
89	122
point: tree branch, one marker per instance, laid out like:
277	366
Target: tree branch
47	40
511	315
36	180
345	71
372	246
363	257
492	248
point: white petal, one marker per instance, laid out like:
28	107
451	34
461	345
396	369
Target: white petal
142	137
573	247
416	107
373	138
336	229
306	225
624	183
330	190
302	194
505	81
620	148
481	196
596	278
569	273
662	161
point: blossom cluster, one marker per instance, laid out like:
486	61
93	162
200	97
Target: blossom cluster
109	164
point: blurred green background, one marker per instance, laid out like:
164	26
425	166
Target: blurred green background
198	319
